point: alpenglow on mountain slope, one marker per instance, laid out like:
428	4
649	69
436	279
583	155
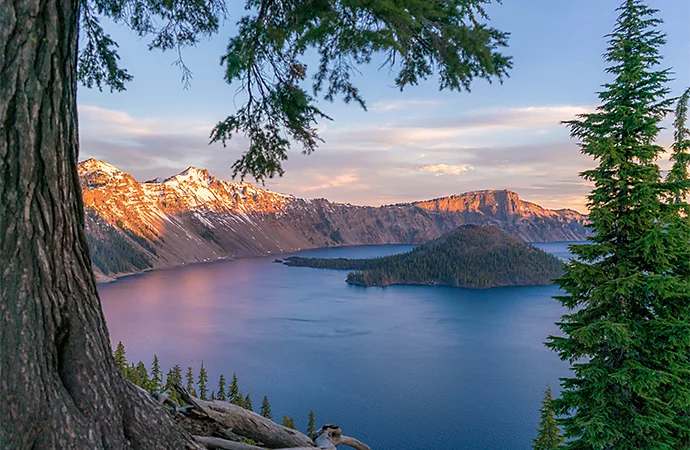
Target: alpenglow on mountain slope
471	256
194	217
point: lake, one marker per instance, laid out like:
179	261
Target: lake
401	367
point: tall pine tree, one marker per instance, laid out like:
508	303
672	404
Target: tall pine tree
266	408
140	376
311	427
156	380
627	334
677	233
173	377
680	151
202	382
549	435
221	388
120	356
190	381
234	395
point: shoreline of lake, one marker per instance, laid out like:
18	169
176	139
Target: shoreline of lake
467	368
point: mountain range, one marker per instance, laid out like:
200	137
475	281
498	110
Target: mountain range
193	217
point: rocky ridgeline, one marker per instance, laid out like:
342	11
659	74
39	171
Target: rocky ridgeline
194	217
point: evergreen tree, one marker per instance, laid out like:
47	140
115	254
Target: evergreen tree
311	427
247	404
132	374
266	408
202	380
156	375
221	388
289	422
680	151
190	381
234	395
627	334
120	356
169	382
173	377
239	401
141	377
549	435
677	232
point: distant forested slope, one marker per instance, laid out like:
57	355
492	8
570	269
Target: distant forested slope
471	256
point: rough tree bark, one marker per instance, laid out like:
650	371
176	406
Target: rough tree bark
59	387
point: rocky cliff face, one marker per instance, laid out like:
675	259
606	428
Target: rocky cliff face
194	217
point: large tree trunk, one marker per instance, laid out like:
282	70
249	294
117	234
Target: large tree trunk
59	387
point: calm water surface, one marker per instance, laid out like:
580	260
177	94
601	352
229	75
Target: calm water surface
401	367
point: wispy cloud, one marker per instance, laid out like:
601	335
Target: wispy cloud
482	127
148	147
445	169
485	149
344	180
394	105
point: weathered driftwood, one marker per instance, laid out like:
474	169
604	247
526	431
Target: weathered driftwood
245	423
237	421
230	435
213	443
331	434
327	438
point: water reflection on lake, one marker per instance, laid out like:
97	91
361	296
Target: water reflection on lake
402	367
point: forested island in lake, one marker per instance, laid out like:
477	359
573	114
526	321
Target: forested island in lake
471	256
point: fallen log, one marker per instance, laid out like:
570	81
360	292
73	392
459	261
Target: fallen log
331	434
235	420
212	443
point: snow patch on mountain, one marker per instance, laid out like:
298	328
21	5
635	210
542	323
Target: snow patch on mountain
193	216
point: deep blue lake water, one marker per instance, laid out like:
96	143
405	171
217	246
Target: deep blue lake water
401	367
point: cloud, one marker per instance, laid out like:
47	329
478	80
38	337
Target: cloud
430	157
151	147
327	181
445	169
476	128
394	105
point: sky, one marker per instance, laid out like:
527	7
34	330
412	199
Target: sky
417	144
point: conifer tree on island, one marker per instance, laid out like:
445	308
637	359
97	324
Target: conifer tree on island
548	435
627	335
59	371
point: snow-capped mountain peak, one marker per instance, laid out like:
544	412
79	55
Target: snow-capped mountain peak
93	165
193	175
